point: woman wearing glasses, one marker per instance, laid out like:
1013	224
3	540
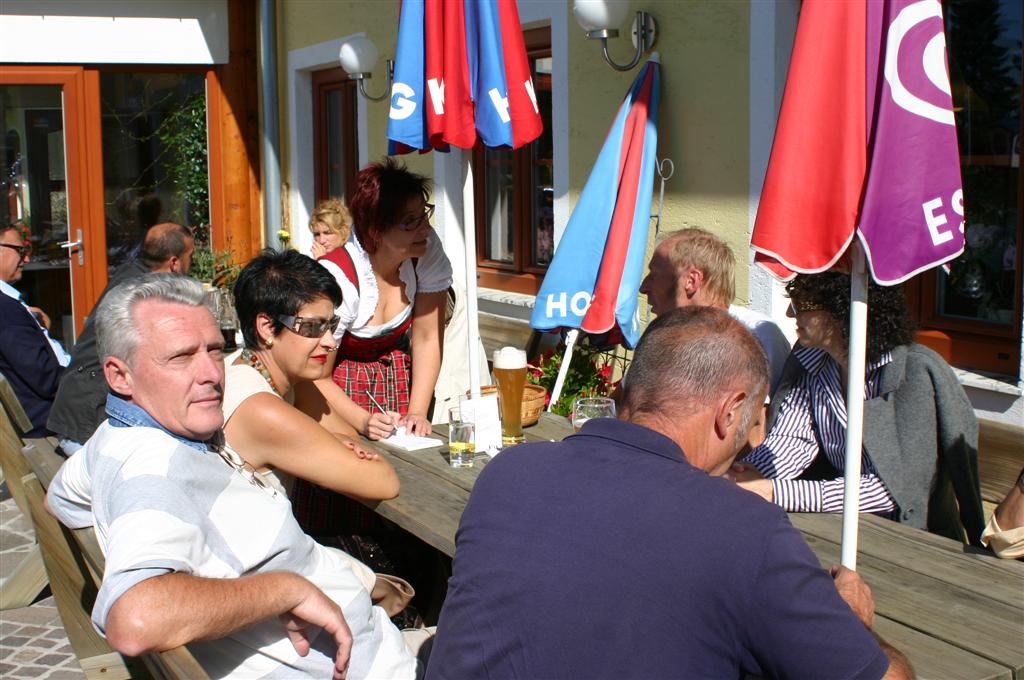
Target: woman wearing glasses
285	304
394	278
920	458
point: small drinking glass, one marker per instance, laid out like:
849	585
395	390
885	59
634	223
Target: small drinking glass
461	444
591	407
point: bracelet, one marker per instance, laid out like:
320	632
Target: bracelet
1020	480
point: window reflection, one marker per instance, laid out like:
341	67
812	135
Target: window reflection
154	155
984	45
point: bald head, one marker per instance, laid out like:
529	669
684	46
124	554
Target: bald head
167	248
699	377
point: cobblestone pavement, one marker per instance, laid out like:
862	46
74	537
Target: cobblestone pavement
32	640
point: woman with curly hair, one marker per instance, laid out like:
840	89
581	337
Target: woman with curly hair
920	455
331	224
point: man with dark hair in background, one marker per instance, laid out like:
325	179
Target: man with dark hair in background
30	359
78	408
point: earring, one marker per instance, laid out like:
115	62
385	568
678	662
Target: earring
269	342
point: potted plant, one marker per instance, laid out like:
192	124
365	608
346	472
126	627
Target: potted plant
590	375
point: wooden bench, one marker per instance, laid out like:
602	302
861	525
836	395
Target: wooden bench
1000	458
24	584
73	560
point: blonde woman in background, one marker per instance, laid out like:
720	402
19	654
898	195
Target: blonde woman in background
331	224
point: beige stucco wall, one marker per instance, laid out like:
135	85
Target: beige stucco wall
703	127
703	124
307	22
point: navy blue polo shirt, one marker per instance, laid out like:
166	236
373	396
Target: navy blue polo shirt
609	555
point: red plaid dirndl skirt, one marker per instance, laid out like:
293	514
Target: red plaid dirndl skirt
321	512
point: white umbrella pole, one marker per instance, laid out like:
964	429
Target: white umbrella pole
563	370
854	405
469	235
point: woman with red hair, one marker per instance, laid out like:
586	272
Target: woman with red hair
394	278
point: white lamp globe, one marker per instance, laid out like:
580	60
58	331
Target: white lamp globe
358	55
596	15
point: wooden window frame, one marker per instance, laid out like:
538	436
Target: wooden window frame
325	82
520	275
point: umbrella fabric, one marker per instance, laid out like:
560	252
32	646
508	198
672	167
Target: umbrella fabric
866	139
461	73
594	276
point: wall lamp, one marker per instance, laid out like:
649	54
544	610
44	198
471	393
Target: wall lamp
601	19
358	56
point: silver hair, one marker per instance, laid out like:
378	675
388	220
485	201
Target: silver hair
116	334
688	357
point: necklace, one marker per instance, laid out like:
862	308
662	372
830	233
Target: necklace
254	361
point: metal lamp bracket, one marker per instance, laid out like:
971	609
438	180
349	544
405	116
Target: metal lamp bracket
644	33
362	77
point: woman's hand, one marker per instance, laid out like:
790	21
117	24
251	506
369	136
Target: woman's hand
359	448
381	425
743	472
317	251
416	424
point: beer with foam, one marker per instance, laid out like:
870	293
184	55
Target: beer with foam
510	375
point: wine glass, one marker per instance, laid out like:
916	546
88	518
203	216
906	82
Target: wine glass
591	407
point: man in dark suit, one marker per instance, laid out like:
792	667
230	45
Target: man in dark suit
79	406
30	359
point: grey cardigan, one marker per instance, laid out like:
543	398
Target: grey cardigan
921	434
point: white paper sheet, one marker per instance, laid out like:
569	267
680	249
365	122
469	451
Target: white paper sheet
410	442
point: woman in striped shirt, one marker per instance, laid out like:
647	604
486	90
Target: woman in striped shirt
920	432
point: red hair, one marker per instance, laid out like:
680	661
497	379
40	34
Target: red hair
382	190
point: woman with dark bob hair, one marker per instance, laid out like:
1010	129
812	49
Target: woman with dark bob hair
394	278
285	303
920	459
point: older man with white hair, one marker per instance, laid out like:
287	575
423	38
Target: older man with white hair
197	551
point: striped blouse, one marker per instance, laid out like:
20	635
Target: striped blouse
812	419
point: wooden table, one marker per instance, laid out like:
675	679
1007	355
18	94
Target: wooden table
956	613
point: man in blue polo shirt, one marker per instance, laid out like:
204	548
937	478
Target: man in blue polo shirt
620	552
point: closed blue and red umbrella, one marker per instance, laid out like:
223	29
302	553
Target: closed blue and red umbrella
865	149
462	74
594	276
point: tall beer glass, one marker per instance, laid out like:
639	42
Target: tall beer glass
510	375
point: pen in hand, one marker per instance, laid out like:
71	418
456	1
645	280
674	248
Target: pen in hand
382	410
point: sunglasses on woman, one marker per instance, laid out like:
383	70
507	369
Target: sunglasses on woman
415	222
310	328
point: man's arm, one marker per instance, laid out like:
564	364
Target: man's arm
856	593
168	611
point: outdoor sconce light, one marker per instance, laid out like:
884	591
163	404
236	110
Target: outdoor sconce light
358	56
601	19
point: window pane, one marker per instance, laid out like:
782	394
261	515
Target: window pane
542	219
500	212
985	68
154	146
336	122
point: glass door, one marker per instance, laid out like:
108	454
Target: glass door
35	187
44	192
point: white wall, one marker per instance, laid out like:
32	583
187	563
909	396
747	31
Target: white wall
772	30
114	32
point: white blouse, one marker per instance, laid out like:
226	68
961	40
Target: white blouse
432	274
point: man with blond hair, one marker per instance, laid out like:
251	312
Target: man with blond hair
693	267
